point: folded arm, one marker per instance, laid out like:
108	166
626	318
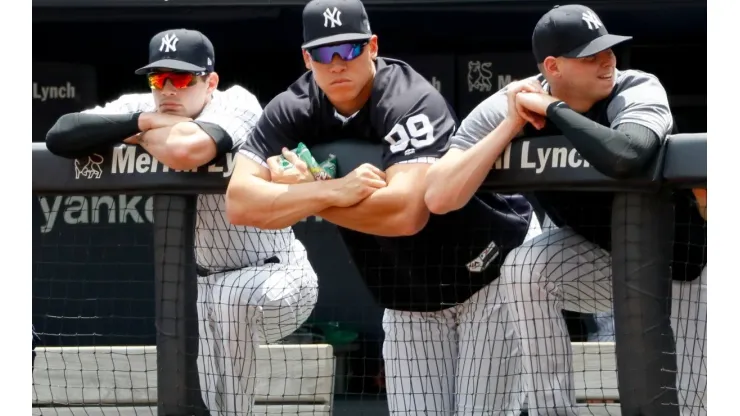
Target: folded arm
395	210
252	200
77	135
182	146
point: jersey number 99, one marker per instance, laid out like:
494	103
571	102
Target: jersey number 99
417	130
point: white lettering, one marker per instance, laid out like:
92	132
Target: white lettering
127	161
123	163
572	161
95	210
77	210
144	163
555	157
129	209
54	92
526	164
504	80
542	155
559	157
98	202
50	213
230	163
149	209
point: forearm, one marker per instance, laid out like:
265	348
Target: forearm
80	134
387	212
182	146
452	182
618	153
271	206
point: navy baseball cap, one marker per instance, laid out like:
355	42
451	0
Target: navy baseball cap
327	22
180	50
571	31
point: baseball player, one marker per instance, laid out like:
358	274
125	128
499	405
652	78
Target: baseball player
617	121
254	286
446	350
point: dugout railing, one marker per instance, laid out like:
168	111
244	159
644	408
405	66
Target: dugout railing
642	218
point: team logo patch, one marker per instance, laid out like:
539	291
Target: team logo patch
89	167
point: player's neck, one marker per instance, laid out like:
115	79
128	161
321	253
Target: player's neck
577	102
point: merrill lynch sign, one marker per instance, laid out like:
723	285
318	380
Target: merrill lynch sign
127	160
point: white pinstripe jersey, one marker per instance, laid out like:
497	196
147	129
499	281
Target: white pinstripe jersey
220	245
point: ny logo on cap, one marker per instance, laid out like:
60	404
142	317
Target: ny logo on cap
592	20
332	16
168	43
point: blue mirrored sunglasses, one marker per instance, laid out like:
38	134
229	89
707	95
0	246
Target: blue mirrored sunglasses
346	52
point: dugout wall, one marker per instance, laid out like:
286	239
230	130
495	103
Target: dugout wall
97	46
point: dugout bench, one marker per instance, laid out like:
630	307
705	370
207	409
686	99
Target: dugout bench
293	380
640	325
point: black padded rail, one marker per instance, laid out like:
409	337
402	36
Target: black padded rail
686	159
528	164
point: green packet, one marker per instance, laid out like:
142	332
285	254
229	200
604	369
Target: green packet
326	170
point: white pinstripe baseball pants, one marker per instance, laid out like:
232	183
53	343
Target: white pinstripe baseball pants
561	270
462	360
239	311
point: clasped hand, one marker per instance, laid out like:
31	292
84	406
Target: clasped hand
345	192
528	102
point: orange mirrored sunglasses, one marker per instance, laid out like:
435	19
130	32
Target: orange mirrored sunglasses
179	80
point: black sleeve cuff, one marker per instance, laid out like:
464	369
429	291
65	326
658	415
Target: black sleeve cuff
551	108
224	143
80	134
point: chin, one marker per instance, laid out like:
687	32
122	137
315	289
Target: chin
342	94
173	111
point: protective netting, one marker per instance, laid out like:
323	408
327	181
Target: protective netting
540	339
93	300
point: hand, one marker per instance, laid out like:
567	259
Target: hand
133	140
358	185
518	114
299	173
535	102
151	121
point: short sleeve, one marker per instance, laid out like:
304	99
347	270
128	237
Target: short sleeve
282	117
126	104
235	111
484	118
642	100
421	133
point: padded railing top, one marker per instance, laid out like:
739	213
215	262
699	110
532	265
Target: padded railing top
528	164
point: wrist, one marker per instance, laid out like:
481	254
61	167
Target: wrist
553	105
512	125
326	193
144	121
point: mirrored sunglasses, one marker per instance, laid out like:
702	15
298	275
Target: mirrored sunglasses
346	52
179	80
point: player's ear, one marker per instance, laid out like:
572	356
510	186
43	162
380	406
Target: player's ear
551	66
372	46
306	59
212	81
